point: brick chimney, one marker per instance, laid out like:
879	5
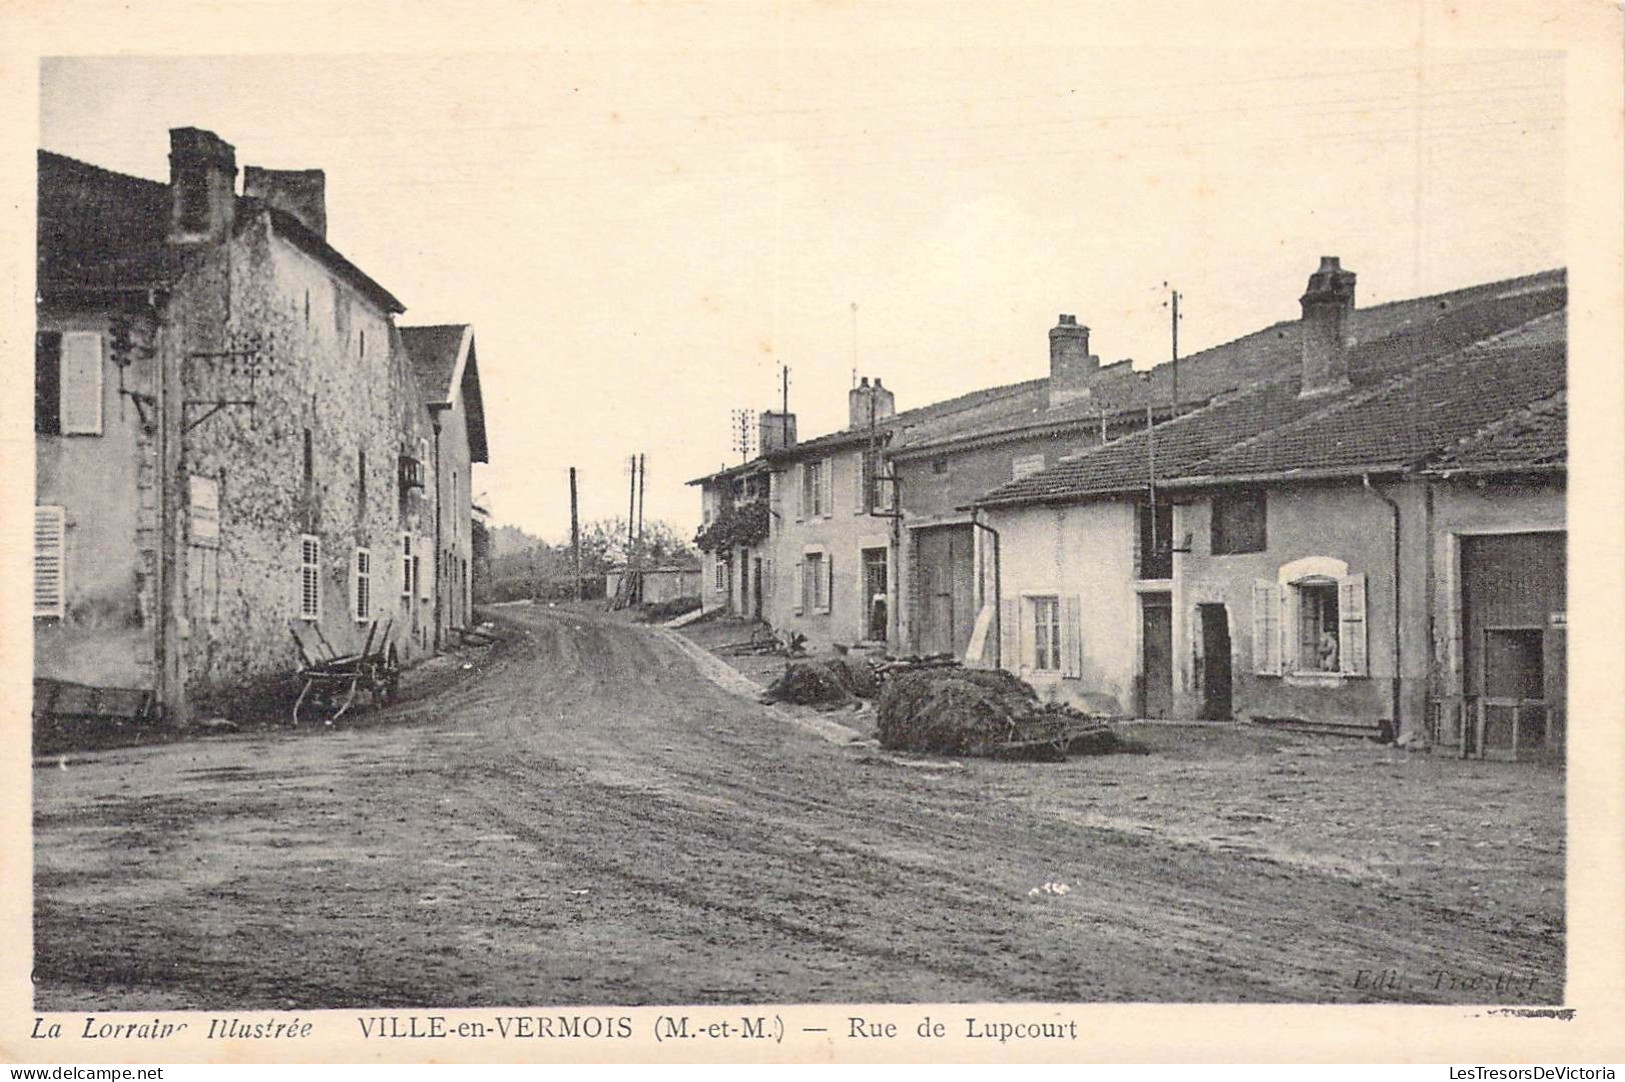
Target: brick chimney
863	398
1071	366
776	431
1327	305
202	186
300	192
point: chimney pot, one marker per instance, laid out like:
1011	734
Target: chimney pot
202	186
1071	366
1328	302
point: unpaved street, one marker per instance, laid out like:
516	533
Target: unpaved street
587	820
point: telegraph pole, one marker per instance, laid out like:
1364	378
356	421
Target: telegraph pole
643	476
575	533
1173	303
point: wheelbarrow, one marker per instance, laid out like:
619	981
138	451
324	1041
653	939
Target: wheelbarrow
332	682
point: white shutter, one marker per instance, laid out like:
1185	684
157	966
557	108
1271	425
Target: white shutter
1010	634
803	489
1072	637
203	496
50	562
801	600
81	387
859	468
406	565
1351	629
310	577
1266	629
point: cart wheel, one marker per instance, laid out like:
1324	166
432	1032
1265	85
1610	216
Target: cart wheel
301	701
391	677
349	699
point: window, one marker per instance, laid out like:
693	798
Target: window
816	570
1238	522
407	561
867	474
722	572
815	489
1311	623
361	480
361	585
203	497
1026	465
309	461
310	578
1046	614
50	562
68	383
939	465
1156	556
1317	627
425	582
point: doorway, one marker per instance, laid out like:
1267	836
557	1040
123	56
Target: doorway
756	590
1156	655
874	594
1216	680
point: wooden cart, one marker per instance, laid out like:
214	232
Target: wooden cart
332	682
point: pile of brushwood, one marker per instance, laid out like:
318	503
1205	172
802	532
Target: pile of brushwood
828	682
949	710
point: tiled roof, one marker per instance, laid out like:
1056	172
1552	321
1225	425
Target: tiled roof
434	351
1534	437
1273	352
1413	393
100	230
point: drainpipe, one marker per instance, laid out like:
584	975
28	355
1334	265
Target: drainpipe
1394	693
998	599
435	410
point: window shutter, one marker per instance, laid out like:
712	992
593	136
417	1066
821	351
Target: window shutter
1351	630
829	582
1266	629
801	600
426	582
1072	637
801	491
1010	634
50	560
81	388
406	565
860	472
203	496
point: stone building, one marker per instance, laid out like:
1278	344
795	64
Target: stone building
232	443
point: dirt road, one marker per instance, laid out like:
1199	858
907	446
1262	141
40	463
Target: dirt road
589	821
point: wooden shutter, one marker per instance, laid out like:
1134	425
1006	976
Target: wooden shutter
1010	634
426	582
310	577
81	387
801	600
50	562
1071	637
203	497
829	582
802	495
1266	629
406	565
1351	629
859	489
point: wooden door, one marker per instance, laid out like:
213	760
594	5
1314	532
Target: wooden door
1216	676
1156	655
946	613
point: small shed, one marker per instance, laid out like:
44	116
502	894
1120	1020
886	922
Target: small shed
663	582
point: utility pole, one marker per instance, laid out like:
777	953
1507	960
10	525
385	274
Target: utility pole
643	476
854	343
631	511
575	533
1173	303
784	407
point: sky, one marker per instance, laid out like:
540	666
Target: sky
642	235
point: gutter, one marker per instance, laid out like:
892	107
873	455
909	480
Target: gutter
1394	692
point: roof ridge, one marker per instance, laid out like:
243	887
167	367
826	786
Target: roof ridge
79	163
1495	283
